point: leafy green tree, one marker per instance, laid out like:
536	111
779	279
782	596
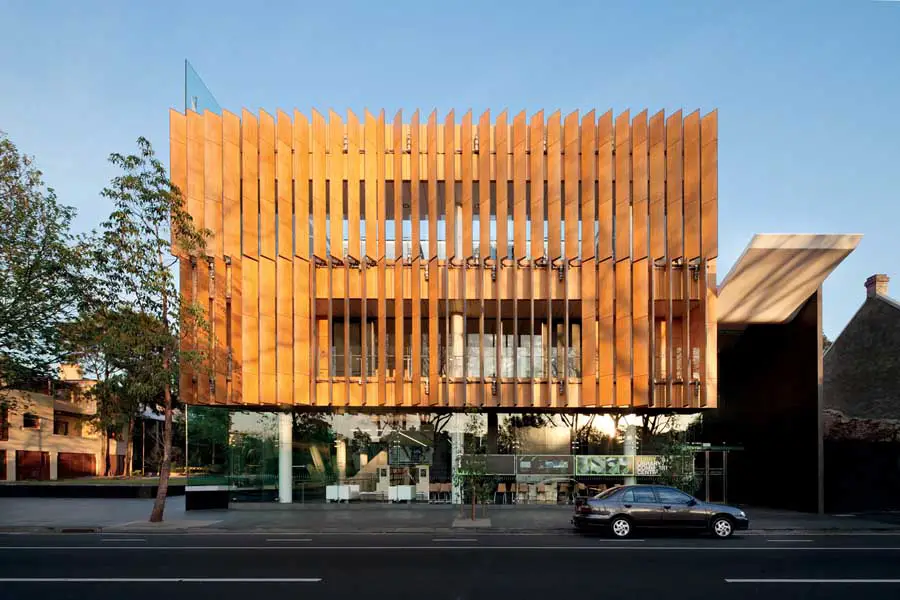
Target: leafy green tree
134	257
676	462
360	442
41	267
472	470
116	348
313	428
208	437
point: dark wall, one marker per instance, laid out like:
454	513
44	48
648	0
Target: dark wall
862	476
769	403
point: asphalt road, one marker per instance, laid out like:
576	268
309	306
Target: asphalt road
462	566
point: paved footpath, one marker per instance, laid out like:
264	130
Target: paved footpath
65	514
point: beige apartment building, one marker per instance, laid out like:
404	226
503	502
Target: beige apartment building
46	433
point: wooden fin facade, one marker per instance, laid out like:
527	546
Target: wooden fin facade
552	262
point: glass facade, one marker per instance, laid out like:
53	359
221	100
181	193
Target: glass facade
197	96
543	458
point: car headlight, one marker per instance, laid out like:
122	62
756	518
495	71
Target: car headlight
742	514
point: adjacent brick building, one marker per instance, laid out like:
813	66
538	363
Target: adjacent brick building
862	406
862	367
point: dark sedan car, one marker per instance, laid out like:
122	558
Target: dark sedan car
626	508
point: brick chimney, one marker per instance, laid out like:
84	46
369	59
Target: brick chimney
877	285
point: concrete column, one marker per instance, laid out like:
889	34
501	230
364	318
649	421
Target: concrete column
457	343
631	449
285	458
545	348
10	464
54	464
459	227
456	444
341	458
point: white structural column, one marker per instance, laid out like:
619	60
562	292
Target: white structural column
631	449
285	458
457	344
54	465
456	445
458	320
341	459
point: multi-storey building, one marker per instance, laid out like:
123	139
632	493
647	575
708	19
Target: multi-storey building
540	262
387	273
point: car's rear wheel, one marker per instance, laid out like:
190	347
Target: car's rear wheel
722	527
621	527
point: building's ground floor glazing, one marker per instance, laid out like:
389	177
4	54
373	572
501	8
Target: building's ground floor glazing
308	457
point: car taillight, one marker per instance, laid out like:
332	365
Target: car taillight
584	508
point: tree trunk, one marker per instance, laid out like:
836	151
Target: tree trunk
129	447
106	453
162	489
473	502
159	506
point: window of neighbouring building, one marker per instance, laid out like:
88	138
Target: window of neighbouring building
60	427
31	421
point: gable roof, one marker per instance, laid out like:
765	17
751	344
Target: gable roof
888	300
876	298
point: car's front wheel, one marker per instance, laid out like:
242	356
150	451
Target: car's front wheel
722	527
620	527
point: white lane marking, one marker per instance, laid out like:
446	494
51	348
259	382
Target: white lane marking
894	581
471	540
791	541
828	533
161	580
646	548
123	540
198	533
289	540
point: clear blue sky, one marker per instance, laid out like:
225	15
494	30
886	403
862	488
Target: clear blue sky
808	92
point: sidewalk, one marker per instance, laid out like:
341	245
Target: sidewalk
64	514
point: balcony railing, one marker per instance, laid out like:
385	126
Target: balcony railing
524	366
355	364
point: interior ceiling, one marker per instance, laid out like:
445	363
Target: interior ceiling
777	273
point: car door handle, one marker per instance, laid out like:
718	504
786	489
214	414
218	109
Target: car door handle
668	507
627	505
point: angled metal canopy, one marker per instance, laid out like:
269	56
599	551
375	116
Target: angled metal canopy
777	273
